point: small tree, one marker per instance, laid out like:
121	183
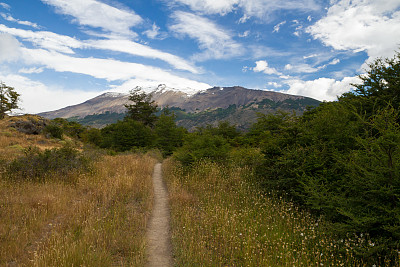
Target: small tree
169	135
143	108
8	99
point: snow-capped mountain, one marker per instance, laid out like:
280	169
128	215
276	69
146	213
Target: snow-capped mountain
235	104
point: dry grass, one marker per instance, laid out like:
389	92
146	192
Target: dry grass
219	219
100	221
12	142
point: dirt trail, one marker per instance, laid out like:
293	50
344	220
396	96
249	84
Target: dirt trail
158	233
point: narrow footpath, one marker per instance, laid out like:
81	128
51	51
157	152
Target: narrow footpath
158	233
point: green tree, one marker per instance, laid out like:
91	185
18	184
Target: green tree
226	130
203	146
143	108
379	87
169	135
127	134
93	136
373	178
71	128
9	99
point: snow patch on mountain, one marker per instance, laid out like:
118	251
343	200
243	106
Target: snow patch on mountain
112	94
162	88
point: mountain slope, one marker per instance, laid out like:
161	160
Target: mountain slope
237	105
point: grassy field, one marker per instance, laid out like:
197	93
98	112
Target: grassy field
219	219
99	221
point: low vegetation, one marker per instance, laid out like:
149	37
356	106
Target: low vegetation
63	163
62	205
100	220
339	160
219	218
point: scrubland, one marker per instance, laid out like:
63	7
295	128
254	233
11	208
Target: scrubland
93	218
220	219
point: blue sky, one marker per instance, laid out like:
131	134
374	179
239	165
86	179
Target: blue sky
61	52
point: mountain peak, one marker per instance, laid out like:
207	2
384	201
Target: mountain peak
236	104
161	88
112	94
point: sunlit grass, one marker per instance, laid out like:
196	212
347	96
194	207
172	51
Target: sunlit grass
219	219
13	143
99	221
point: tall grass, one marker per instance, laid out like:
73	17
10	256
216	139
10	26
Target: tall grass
98	221
220	219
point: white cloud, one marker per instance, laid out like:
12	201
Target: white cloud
299	28
288	67
274	84
154	33
322	88
301	68
306	68
361	25
210	6
264	9
108	69
99	15
310	56
244	34
334	61
66	44
277	27
216	42
9	48
262	66
261	9
45	39
261	51
137	49
37	97
31	70
21	22
5	6
244	19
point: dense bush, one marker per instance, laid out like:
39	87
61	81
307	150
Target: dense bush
341	160
92	136
343	166
57	163
210	143
203	146
127	135
54	130
168	135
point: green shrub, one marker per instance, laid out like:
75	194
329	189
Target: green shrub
203	147
58	164
127	135
246	157
93	136
54	131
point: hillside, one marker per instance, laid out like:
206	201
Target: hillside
236	104
20	132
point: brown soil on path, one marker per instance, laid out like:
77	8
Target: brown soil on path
158	233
